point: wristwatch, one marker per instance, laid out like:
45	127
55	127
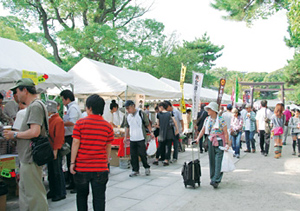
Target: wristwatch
15	134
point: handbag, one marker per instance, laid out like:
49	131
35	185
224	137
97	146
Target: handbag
65	149
278	131
205	143
234	133
41	149
267	124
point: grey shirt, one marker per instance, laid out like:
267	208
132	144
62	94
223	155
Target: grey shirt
35	114
277	122
11	108
293	123
178	117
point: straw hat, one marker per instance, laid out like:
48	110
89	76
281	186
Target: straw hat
213	106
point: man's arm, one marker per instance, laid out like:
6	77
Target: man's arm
257	126
74	151
108	150
33	132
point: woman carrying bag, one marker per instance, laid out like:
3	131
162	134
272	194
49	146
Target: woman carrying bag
236	127
277	123
215	126
294	123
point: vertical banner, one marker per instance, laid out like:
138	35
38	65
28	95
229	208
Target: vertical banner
221	91
140	101
232	96
236	90
197	84
182	77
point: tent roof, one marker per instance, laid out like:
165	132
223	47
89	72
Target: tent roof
91	76
206	94
16	56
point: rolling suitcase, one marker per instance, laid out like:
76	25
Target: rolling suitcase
191	171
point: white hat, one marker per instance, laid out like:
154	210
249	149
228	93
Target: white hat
51	106
213	106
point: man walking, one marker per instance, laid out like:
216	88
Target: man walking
263	118
288	116
90	154
135	124
249	127
178	118
70	118
32	193
201	116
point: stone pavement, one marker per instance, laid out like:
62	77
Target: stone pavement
258	183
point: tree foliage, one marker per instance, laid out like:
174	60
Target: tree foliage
103	30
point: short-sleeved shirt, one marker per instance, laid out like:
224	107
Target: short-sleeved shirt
277	122
11	108
35	114
166	130
72	115
178	117
19	119
134	122
212	130
260	116
94	134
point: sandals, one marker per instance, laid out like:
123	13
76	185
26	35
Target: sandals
155	162
165	163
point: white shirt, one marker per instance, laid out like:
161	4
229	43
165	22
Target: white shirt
260	116
247	122
227	117
135	126
19	119
73	114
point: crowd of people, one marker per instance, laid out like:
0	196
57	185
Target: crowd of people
90	135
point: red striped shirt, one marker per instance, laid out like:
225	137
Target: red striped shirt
94	134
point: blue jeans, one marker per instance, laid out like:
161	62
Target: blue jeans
98	182
236	143
249	135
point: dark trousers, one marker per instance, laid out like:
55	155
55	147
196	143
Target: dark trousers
175	142
98	182
264	141
201	142
138	148
164	149
56	178
294	145
70	179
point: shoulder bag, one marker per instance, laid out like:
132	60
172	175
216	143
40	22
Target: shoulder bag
65	149
42	151
267	123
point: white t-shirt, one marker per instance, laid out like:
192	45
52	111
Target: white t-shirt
19	119
260	116
227	117
247	122
135	124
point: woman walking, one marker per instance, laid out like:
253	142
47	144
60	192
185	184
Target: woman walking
277	123
215	126
236	127
165	122
294	124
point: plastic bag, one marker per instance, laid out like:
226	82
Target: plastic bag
227	161
151	148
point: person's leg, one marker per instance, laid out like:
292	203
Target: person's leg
51	179
285	134
276	146
60	190
168	149
211	156
233	138
252	140
280	144
238	143
98	182
267	143
262	141
134	159
201	143
294	137
69	140
175	145
82	185
218	164
142	153
247	137
298	140
32	189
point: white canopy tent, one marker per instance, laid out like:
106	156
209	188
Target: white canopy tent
107	80
16	56
206	95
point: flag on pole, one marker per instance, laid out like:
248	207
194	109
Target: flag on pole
236	90
197	84
232	96
182	77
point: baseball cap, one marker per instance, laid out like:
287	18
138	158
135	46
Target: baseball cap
129	103
23	82
229	106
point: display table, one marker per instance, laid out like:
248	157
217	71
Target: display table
119	143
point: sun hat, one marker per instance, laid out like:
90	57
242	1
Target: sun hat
23	82
213	106
51	106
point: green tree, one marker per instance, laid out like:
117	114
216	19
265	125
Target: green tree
103	30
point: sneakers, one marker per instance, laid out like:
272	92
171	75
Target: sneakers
253	150
238	156
294	153
284	143
173	161
155	162
134	174
147	171
299	155
248	150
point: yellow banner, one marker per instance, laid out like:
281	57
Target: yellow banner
30	74
182	78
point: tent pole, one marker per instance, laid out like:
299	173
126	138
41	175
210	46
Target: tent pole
125	143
